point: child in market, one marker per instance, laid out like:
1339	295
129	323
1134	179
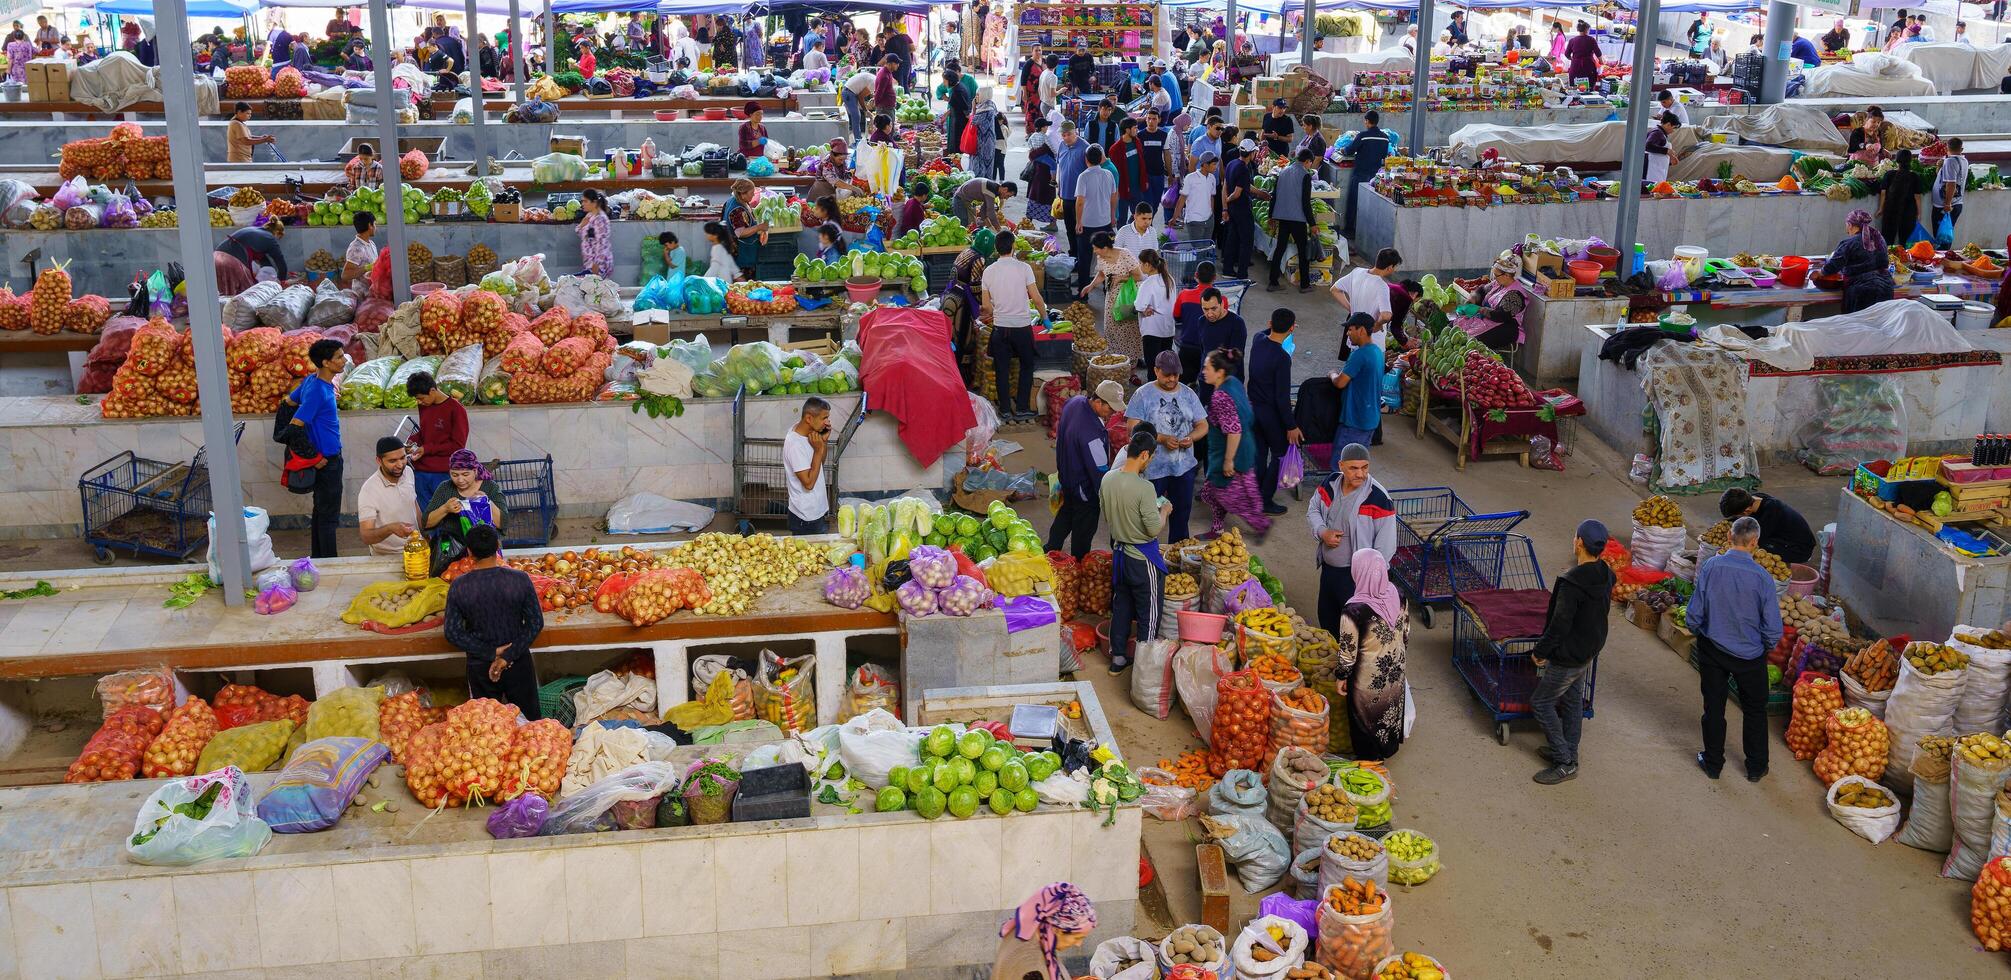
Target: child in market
913	210
830	242
673	253
722	266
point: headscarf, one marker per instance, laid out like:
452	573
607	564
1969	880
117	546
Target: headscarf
1372	585
1055	909
1867	230
1505	264
465	459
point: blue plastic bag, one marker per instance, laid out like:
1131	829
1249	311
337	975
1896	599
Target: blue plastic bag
875	240
318	782
651	296
1306	913
673	290
1944	231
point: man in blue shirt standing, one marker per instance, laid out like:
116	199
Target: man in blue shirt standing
1736	615
1360	380
315	412
1270	391
1070	159
1172	84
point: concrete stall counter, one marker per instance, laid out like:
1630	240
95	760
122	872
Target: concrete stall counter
1898	578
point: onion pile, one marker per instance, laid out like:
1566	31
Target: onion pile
175	751
240	704
460	759
1242	726
402	716
965	596
653	595
115	749
573	578
536	760
1857	745
1815	698
1092	583
932	566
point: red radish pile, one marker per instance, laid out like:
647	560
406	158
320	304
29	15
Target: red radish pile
1492	384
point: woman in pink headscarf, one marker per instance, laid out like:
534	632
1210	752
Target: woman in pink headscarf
1055	919
1369	671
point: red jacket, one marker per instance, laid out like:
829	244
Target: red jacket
443	428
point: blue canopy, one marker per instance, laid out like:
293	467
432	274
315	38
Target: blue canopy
222	9
1700	6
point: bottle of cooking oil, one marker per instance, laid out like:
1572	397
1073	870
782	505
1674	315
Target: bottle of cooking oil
417	558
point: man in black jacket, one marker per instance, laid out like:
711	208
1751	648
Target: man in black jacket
1783	530
1573	633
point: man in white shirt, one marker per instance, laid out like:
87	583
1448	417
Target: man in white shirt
803	450
1195	204
387	504
1368	291
1945	197
1136	235
1010	295
1667	100
858	92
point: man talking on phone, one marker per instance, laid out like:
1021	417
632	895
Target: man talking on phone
803	450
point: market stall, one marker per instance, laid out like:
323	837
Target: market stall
1902	577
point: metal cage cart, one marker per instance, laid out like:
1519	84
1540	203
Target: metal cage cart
148	506
760	480
530	501
1425	566
1496	626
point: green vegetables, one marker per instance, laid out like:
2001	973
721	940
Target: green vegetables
658	406
711	778
40	588
184	593
196	809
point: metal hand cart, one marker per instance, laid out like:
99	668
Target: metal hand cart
1425	566
1498	667
760	479
148	506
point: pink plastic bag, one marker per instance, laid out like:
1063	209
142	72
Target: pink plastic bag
1249	595
275	599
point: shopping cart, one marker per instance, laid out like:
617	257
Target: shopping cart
1425	566
1182	258
1495	627
761	488
148	506
530	501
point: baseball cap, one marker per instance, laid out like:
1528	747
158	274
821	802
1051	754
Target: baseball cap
1112	394
1207	157
1247	146
1280	103
1594	535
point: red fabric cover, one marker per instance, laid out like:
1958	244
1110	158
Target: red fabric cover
1509	614
908	371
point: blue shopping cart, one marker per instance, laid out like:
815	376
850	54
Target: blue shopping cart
1495	626
1424	566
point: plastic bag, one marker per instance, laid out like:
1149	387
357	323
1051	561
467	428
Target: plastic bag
1652	547
1292	468
1849	420
1874	824
1152	687
1972	806
195	819
1303	913
587	811
287	309
349	712
705	670
1124	958
1335	866
1294	773
364	387
332	306
275	599
252	748
709	791
872	687
1165	800
395	395
460	373
1256	848
1288	954
872	744
521	817
1197	668
1239	792
1310	831
553	168
395	605
785	693
320	780
149	687
1928	826
1921	704
240	312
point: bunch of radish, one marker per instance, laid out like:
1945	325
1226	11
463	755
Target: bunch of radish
1491	384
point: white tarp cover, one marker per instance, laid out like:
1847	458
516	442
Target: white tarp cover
1340	69
1948	65
1992	63
1868	75
1899	326
113	82
1759	164
1556	143
1797	127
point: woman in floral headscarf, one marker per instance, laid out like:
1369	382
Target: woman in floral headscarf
1862	262
1373	636
470	496
1057	918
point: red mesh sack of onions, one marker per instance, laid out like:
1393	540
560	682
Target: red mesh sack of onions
401	717
460	760
653	595
175	751
536	760
115	749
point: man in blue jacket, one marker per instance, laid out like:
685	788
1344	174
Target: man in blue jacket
1081	457
1270	390
1368	149
1736	615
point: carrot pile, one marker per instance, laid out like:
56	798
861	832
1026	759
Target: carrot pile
1355	897
1190	769
1273	668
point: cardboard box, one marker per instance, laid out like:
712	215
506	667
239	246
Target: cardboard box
1249	117
1263	90
1559	288
49	79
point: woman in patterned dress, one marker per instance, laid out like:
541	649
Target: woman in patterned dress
1231	485
1374	635
596	246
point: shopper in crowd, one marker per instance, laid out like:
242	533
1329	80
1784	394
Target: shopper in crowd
1057	918
1195	204
1238	215
362	251
1372	634
1783	530
804	449
1095	210
1209	325
1071	159
1154	306
1081	457
1574	631
1082	67
1350	511
443	432
830	242
957	112
241	253
1735	612
1009	286
313	406
1270	391
1946	195
1666	104
47	37
1360	379
1582	56
1178	422
719	255
885	90
1156	155
1860	258
387	505
1136	514
1039	175
749	233
856	93
19	53
1292	209
990	119
596	241
1200	91
1368	150
1557	40
493	616
238	140
1231	485
1368	291
981	203
469	497
1138	235
1208	139
961	306
1106	125
1127	157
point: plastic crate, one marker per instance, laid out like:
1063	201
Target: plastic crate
1871	478
775	264
1057	291
776	806
531	498
771	780
555	699
939	270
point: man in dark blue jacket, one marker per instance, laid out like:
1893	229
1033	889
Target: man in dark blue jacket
1270	390
1368	149
1081	457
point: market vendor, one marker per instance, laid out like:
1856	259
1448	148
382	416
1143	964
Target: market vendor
834	173
1658	151
238	141
1868	135
238	258
1503	302
470	497
1861	260
1668	104
443	433
387	505
362	251
1582	56
747	232
753	135
1057	918
493	616
1783	531
961	304
1136	515
1836	38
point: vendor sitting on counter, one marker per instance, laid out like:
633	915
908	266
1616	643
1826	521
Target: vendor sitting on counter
1783	531
753	135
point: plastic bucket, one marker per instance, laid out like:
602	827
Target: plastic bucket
863	289
1692	257
1801	580
422	288
1201	627
1794	272
1975	316
1584	272
1608	258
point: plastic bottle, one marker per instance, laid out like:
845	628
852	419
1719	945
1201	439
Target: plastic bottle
417	558
648	154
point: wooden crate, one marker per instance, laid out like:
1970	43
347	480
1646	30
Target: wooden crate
1564	288
1213	871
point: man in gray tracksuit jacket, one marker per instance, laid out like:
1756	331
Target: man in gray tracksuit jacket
1350	511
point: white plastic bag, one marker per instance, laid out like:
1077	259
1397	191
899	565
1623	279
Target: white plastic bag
872	744
1112	953
1239	792
1983	691
1920	705
1292	952
1972	806
1196	668
240	312
1064	788
229	828
1652	547
1152	678
647	513
1872	824
600	752
581	812
1855	696
1256	848
257	536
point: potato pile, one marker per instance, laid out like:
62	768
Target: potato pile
1812	622
1864	795
1934	658
247	197
1990	904
322	261
482	255
1329	805
1718	535
740	570
1815	698
1181	586
1856	743
1772	563
1199	945
175	751
1993	640
1091	583
1227	551
1356	847
1875	667
1658	511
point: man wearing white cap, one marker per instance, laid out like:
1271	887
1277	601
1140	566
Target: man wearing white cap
1081	456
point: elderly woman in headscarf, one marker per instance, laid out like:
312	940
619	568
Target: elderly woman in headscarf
1862	262
1373	635
961	304
984	161
1054	920
470	496
1497	321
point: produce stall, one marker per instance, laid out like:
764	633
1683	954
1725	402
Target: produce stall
1900	578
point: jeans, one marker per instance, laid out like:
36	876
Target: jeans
798	525
1270	452
1295	233
1134	598
424	483
327	517
1068	235
1344	435
1348	208
1337	586
1178	491
1559	706
1155	192
1714	668
1008	343
1075	524
1085	256
855	113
